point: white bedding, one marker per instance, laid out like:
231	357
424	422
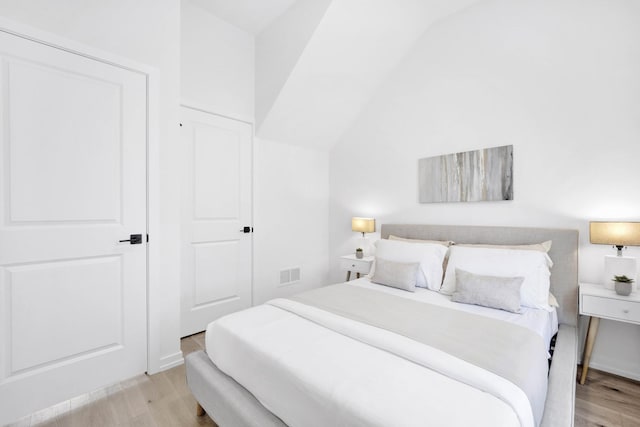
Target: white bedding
309	375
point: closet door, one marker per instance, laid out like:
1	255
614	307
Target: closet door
72	185
217	220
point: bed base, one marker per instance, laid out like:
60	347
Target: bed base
561	392
227	402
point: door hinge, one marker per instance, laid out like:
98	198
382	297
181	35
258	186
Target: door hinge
147	238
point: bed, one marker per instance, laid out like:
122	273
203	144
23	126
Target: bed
328	370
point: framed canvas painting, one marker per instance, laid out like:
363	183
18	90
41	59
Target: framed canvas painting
471	176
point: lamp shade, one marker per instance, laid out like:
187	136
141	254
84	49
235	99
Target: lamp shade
615	233
363	225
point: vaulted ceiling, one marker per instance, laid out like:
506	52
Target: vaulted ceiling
318	62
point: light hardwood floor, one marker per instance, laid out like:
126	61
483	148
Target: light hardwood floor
164	400
160	400
607	400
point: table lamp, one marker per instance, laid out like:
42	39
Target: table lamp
618	234
363	225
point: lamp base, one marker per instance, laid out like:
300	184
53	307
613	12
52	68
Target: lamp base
619	266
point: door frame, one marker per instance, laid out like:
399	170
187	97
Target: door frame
155	361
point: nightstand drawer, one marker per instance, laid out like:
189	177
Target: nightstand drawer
355	265
608	308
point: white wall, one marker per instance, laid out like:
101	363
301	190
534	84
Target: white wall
559	81
291	209
145	31
217	64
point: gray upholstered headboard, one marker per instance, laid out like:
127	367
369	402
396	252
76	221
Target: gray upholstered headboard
564	252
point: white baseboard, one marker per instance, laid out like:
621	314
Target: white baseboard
615	371
171	361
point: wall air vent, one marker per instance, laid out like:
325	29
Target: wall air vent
289	276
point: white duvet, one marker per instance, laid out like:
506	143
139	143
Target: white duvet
313	375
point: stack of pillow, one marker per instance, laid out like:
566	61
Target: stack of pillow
504	277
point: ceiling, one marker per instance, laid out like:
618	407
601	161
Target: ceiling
250	15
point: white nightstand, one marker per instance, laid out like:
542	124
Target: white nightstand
601	303
351	264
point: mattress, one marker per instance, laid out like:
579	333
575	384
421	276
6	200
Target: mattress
309	375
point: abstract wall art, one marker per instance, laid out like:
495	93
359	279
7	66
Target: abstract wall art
472	176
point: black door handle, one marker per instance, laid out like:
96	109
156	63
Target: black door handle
246	230
134	239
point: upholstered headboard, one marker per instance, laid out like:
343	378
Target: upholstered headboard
564	252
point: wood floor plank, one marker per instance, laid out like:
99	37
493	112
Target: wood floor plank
119	410
592	414
92	411
188	345
199	339
143	420
178	379
134	396
628	421
192	343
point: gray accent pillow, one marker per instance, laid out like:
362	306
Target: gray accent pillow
502	293
399	275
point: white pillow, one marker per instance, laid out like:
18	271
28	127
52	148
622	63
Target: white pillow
532	265
429	255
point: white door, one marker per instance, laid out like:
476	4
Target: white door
216	251
72	184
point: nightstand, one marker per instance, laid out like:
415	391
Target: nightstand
351	264
601	303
